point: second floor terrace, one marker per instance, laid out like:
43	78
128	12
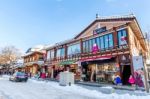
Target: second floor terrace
110	42
34	57
103	37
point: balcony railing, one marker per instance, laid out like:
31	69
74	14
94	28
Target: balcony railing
102	52
39	62
35	61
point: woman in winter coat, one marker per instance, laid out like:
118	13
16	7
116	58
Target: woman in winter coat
131	80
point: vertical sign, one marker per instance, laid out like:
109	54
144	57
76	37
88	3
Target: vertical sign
138	65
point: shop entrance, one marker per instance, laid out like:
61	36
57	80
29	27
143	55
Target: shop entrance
126	74
85	76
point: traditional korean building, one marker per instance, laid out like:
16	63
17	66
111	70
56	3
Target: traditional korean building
34	62
103	49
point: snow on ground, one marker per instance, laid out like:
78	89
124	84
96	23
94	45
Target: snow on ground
51	90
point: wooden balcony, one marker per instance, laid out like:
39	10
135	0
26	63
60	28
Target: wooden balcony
114	51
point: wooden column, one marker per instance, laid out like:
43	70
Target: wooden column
129	45
66	51
55	53
115	37
81	45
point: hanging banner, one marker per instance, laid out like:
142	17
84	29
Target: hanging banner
138	65
138	62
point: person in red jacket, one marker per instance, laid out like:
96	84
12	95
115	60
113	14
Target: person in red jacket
131	80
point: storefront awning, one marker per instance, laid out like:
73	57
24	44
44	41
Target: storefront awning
96	58
69	62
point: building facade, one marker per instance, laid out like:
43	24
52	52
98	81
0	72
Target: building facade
33	63
103	49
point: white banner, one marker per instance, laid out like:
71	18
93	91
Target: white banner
138	62
138	65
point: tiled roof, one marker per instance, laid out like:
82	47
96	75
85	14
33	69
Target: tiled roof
60	43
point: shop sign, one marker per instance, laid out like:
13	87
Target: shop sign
99	30
138	62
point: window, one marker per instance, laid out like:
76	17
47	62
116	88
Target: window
87	46
106	39
110	36
40	57
93	41
74	49
48	55
102	42
84	46
90	45
122	37
51	54
98	42
61	52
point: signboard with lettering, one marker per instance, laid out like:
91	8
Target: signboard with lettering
99	30
138	62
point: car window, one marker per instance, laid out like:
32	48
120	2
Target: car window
20	74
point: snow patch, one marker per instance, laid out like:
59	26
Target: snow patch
91	93
35	89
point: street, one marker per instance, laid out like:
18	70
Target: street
51	90
31	90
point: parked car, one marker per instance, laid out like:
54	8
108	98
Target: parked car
19	77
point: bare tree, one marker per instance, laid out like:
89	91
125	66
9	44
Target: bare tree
9	55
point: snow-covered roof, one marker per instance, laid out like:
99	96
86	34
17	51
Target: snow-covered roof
32	52
20	61
116	17
59	43
36	48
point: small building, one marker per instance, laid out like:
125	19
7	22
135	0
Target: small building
34	62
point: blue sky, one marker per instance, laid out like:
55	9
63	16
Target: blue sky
25	23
